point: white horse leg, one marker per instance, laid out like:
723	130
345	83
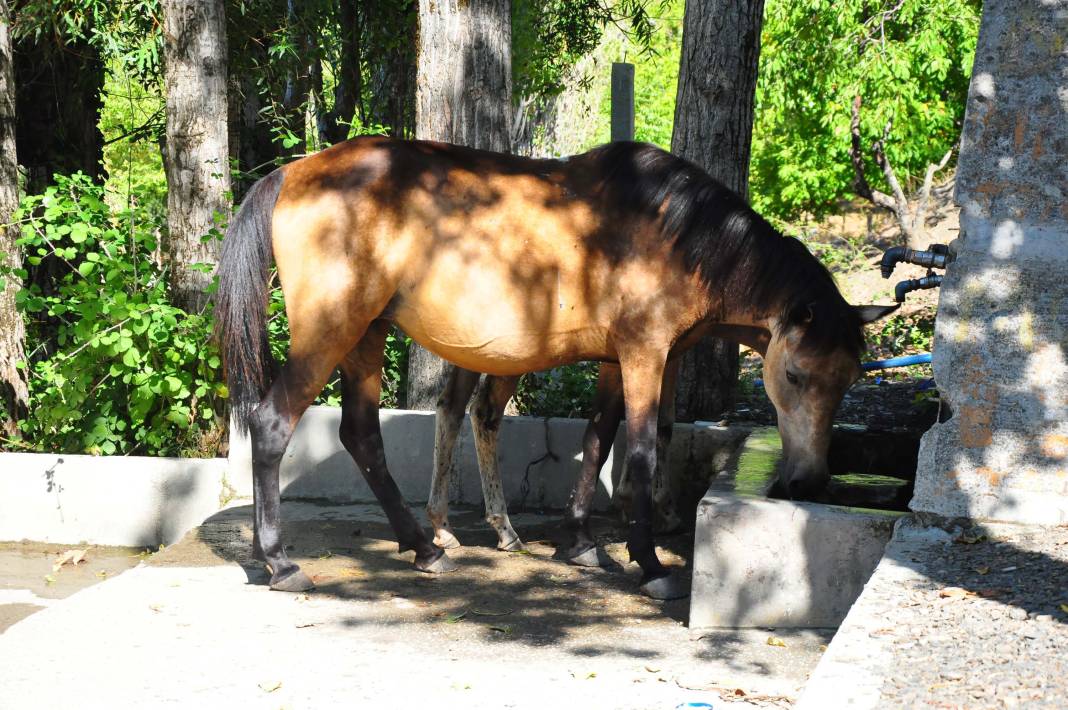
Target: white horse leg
486	415
449	417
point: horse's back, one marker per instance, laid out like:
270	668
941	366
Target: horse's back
499	263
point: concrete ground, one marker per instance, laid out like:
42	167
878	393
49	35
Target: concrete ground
29	582
195	626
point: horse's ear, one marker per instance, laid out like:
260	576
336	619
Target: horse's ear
870	314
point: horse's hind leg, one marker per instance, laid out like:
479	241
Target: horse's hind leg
486	416
596	444
361	379
271	426
447	421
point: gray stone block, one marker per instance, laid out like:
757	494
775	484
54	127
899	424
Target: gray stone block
762	562
1001	335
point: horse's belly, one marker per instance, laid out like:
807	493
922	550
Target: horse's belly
495	334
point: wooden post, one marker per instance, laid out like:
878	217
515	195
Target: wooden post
622	101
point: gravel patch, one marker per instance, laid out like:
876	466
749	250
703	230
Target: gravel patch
965	618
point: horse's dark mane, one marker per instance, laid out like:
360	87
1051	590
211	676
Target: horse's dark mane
735	250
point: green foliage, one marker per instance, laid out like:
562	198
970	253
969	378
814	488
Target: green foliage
127	31
132	124
904	334
129	373
550	36
910	60
656	73
560	392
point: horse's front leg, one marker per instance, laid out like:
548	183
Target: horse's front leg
596	444
486	416
643	371
665	515
448	419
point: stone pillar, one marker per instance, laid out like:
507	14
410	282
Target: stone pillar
1000	352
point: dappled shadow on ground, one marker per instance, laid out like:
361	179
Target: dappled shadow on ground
524	597
522	602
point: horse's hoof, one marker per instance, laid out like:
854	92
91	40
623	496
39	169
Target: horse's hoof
663	588
295	581
442	565
446	540
592	557
514	545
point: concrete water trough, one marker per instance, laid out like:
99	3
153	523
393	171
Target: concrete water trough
764	561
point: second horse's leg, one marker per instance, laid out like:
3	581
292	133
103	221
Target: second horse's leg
666	518
448	419
361	379
486	416
596	444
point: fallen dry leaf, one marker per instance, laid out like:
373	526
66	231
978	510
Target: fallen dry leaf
156	607
270	686
652	669
306	626
776	641
954	593
71	556
966	539
1064	608
983	570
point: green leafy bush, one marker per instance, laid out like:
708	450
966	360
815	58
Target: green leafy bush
561	392
117	368
909	60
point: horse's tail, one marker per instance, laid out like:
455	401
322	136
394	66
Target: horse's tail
241	299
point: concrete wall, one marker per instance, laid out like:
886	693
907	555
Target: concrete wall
1001	335
317	466
141	501
107	500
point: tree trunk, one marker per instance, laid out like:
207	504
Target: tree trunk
463	95
713	128
14	388
197	155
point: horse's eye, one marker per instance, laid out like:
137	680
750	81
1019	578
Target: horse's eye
791	378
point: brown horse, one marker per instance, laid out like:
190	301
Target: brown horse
506	265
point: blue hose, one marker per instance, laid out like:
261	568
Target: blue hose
903	361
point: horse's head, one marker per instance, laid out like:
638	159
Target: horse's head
812	357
